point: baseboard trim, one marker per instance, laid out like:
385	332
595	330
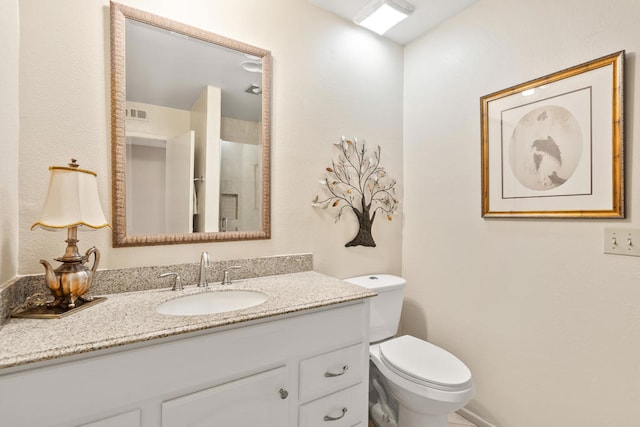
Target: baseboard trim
474	418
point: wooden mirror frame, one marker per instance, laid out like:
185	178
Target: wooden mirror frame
119	14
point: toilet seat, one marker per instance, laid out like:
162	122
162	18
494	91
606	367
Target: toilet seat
424	363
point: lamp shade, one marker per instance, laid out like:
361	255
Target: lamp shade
72	200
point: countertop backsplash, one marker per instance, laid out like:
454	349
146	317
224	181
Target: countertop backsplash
145	278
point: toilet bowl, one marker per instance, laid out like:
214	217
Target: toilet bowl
426	381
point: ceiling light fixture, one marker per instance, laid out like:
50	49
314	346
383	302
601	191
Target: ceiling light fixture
380	15
252	66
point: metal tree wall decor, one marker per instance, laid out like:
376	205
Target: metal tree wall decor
356	182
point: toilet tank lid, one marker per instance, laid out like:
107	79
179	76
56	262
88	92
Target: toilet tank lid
378	282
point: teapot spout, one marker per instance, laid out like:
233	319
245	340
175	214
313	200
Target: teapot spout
52	281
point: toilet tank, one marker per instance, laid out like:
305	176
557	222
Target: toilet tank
384	315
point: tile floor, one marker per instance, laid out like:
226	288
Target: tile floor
455	420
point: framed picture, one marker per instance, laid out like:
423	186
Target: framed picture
553	147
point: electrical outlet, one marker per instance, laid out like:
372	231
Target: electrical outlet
622	241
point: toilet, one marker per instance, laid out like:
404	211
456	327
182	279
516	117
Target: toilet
412	383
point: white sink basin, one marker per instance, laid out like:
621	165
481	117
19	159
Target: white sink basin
211	302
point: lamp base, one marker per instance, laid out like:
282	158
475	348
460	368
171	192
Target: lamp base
71	280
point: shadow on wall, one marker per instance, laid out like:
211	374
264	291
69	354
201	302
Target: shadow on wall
413	320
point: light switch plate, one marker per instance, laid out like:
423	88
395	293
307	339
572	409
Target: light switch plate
622	241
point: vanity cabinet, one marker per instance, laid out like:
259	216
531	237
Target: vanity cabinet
301	369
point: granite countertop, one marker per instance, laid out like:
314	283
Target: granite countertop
127	318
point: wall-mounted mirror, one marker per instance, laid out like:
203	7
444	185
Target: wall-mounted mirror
190	129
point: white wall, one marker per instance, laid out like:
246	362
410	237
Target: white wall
548	324
9	43
330	79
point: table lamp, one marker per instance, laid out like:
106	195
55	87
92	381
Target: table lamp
72	202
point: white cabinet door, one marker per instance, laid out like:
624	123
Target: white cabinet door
258	400
128	419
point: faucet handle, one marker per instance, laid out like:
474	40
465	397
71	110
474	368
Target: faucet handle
226	279
177	280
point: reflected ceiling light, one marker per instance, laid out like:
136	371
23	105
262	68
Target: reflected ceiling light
252	66
380	15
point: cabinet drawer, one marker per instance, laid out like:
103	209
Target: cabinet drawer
329	372
345	408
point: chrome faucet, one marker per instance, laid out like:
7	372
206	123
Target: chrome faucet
205	261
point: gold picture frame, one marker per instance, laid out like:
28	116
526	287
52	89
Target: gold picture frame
553	146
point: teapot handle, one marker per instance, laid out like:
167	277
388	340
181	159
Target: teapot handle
96	260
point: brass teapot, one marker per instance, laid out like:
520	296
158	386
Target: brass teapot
72	279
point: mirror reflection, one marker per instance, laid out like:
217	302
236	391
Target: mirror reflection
191	130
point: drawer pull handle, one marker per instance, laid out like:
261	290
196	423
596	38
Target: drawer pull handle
328	418
283	393
345	368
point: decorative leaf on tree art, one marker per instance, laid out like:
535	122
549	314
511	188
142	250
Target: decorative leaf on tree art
356	182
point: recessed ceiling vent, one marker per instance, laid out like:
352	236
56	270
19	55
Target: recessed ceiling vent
137	114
